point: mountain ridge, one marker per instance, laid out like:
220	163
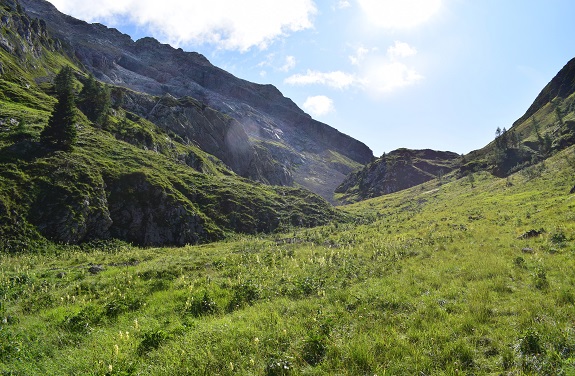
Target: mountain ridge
123	177
547	127
261	111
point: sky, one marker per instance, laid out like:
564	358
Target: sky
438	74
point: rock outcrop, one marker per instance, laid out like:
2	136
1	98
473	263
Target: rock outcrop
145	213
395	171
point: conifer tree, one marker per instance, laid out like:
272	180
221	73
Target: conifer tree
94	101
61	129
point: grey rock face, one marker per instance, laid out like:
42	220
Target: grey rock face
146	214
71	205
32	33
240	114
398	170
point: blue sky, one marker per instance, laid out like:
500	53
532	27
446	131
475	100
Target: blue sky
440	74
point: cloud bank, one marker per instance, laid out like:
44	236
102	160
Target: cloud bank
231	25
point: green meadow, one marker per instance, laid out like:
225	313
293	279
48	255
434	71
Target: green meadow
469	276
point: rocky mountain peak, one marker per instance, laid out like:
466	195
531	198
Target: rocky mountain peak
281	143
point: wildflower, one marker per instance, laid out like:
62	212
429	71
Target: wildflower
116	349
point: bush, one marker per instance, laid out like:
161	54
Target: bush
82	321
244	294
530	343
201	307
151	340
314	349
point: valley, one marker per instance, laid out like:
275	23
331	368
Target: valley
186	226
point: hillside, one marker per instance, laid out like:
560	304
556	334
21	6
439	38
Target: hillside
137	250
400	169
126	177
458	278
547	127
266	137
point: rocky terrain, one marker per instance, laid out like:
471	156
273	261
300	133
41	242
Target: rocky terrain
395	171
252	128
147	174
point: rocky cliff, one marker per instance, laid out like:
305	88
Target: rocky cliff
137	176
263	134
395	171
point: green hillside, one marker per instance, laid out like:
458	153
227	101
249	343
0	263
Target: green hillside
464	277
471	273
125	178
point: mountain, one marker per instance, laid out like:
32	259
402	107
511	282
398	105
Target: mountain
560	87
395	171
128	177
547	127
255	130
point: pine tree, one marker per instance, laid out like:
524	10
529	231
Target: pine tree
94	101
63	81
61	129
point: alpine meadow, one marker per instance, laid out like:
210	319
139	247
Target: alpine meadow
160	216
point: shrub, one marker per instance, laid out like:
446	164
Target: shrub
82	321
244	294
151	340
541	281
201	307
530	343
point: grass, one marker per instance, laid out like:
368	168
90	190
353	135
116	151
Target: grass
435	281
441	279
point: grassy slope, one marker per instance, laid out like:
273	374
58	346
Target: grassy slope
196	181
436	281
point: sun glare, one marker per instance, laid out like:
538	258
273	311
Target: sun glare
404	14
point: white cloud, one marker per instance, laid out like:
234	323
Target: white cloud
232	25
400	50
342	4
382	77
336	79
319	105
399	14
376	73
359	56
385	74
290	64
276	64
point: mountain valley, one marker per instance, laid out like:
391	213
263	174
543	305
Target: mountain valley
185	225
